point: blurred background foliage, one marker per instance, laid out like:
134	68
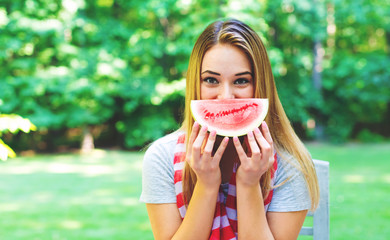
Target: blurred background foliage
115	69
12	123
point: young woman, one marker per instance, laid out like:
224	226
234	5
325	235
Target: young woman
197	185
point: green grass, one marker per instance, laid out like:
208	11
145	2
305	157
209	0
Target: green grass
95	196
359	189
73	197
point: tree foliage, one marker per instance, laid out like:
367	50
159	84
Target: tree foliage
76	64
12	123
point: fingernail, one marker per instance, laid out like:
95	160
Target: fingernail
250	134
213	133
204	128
196	124
235	139
265	125
226	139
256	130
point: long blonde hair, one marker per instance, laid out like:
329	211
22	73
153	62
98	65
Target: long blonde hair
238	34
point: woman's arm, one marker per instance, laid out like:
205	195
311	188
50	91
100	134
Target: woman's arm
286	225
251	218
165	218
167	224
253	223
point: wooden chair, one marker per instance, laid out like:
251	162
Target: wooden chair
320	229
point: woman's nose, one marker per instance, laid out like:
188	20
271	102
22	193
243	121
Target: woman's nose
226	92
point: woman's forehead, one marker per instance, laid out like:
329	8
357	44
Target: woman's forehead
224	58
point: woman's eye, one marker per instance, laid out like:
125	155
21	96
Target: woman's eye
241	81
210	80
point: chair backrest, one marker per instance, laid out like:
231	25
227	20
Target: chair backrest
320	229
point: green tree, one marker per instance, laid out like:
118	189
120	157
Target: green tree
120	65
356	86
12	123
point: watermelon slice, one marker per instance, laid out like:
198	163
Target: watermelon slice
230	117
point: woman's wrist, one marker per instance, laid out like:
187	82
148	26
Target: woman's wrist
208	186
248	184
246	181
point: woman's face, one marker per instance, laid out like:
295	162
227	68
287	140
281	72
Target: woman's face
226	73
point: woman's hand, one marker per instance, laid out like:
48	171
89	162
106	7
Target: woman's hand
199	156
261	158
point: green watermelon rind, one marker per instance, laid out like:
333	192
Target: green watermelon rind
232	133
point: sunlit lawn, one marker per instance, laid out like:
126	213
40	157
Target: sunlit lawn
95	196
359	189
73	197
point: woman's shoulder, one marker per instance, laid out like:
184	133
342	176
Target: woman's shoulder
163	148
167	141
290	193
158	171
289	169
287	161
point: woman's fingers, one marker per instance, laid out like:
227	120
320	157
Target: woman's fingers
264	145
197	145
240	151
255	150
255	165
194	134
221	149
266	133
267	136
249	152
205	140
209	144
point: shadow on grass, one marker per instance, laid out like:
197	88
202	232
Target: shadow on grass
95	196
73	196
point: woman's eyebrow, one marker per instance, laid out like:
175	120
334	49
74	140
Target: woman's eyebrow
211	72
243	73
237	74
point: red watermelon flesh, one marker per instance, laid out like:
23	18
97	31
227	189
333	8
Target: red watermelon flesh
230	117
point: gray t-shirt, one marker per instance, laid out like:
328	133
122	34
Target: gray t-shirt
158	178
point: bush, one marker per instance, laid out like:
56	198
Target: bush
12	123
367	136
